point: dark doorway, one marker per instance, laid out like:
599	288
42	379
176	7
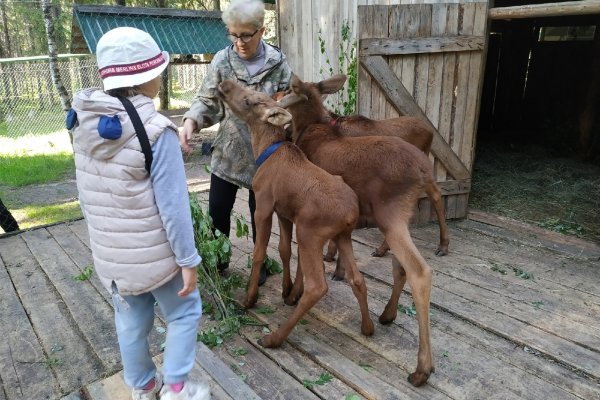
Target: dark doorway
535	160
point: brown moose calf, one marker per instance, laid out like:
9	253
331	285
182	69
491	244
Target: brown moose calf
321	206
388	175
412	130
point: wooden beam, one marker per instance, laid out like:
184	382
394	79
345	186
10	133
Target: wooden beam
402	100
567	8
384	46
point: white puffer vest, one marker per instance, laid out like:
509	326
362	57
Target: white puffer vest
128	241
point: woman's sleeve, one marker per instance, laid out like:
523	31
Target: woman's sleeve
206	108
286	76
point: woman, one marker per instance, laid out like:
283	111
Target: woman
253	63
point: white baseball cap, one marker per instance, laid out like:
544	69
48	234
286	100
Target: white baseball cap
128	57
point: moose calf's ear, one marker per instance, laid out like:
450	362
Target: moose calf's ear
277	116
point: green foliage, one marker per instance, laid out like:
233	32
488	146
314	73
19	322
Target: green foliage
86	274
496	268
537	304
347	64
215	248
264	310
410	311
21	170
238	351
325	377
522	274
352	396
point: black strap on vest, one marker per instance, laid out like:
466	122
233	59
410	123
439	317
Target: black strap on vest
139	130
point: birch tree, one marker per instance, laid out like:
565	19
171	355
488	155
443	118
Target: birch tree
53	56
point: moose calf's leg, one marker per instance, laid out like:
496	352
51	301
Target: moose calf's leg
418	274
391	309
285	253
435	196
331	251
298	287
356	281
381	250
315	287
263	232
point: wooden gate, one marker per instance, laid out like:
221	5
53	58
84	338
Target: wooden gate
427	60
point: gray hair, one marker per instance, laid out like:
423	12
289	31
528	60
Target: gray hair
245	12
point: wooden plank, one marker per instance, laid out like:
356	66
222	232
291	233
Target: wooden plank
402	100
485	309
395	348
265	377
90	312
458	133
474	88
561	9
23	372
548	366
79	253
296	363
332	359
221	373
519	358
571	273
536	236
364	80
380	27
80	229
425	45
447	95
63	347
114	387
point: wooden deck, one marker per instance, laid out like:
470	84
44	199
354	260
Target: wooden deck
495	335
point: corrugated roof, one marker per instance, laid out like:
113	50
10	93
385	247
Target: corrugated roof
175	31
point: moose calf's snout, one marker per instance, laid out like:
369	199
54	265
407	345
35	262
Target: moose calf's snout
225	87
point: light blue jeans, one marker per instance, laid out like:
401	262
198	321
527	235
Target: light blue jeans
134	321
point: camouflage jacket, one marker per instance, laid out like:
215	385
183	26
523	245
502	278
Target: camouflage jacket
232	157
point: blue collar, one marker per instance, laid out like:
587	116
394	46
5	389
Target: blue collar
267	153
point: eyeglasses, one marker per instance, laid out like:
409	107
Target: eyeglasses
244	38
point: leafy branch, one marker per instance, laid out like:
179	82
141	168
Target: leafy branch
348	65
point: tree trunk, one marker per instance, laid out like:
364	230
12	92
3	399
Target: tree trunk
53	58
120	3
7	47
216	5
164	92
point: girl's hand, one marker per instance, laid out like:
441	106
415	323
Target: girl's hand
189	281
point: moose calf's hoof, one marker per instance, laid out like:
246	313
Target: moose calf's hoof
250	301
328	258
441	252
269	341
368	328
418	378
378	253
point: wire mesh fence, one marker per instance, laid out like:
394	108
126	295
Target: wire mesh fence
29	102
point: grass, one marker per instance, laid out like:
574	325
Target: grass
36	215
529	183
22	170
36	159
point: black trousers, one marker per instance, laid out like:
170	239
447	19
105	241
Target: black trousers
220	203
7	221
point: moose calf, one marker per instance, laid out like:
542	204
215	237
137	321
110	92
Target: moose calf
388	175
321	206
